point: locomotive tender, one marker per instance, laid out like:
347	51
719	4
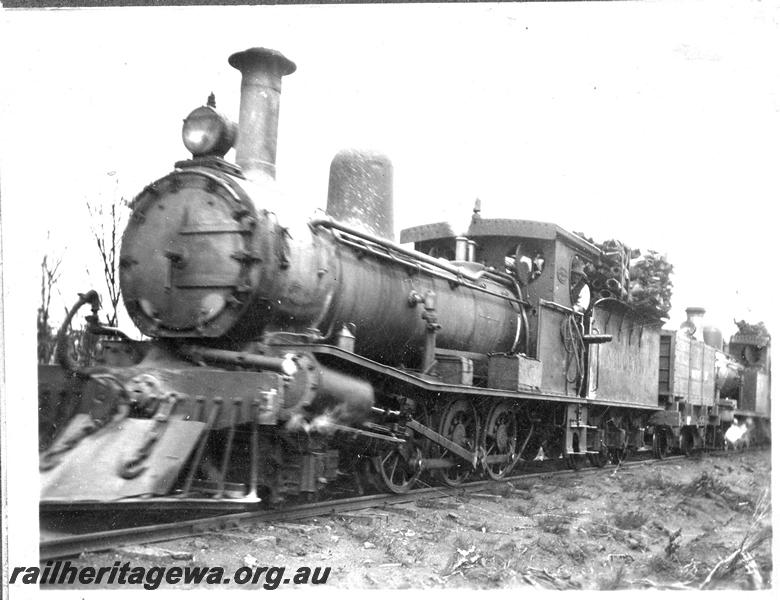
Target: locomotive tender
285	355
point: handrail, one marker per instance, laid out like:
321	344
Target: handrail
460	273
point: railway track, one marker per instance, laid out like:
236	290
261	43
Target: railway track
56	544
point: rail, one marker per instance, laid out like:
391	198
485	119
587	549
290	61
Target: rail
58	546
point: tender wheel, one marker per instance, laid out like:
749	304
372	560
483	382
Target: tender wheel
686	443
573	461
601	459
720	441
617	455
458	424
660	445
499	438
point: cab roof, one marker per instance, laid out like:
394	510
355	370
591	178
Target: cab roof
511	228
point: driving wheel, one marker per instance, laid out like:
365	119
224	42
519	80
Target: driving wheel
458	424
499	439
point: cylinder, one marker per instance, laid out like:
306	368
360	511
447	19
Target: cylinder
261	85
315	390
345	398
360	191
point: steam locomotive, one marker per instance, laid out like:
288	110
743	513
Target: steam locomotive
283	356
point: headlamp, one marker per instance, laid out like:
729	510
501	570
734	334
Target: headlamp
208	133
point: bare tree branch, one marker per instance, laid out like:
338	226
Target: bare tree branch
50	275
106	223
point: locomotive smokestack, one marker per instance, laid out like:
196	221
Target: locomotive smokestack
261	85
695	322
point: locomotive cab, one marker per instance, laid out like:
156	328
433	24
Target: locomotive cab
548	263
751	346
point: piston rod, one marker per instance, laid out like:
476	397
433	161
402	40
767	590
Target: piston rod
284	365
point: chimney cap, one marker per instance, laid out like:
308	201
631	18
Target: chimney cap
240	59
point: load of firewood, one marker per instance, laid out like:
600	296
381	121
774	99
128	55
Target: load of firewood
754	329
651	286
642	280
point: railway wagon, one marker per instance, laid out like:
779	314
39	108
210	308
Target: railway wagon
705	388
687	384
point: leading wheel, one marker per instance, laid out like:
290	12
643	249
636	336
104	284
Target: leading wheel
458	424
499	440
399	467
366	477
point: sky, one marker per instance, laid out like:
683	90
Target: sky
656	123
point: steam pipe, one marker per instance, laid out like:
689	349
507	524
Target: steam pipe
261	86
460	280
419	256
256	361
500	278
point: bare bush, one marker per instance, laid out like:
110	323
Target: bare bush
615	581
758	533
631	520
107	221
50	275
557	524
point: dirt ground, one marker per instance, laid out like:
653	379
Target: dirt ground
665	525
